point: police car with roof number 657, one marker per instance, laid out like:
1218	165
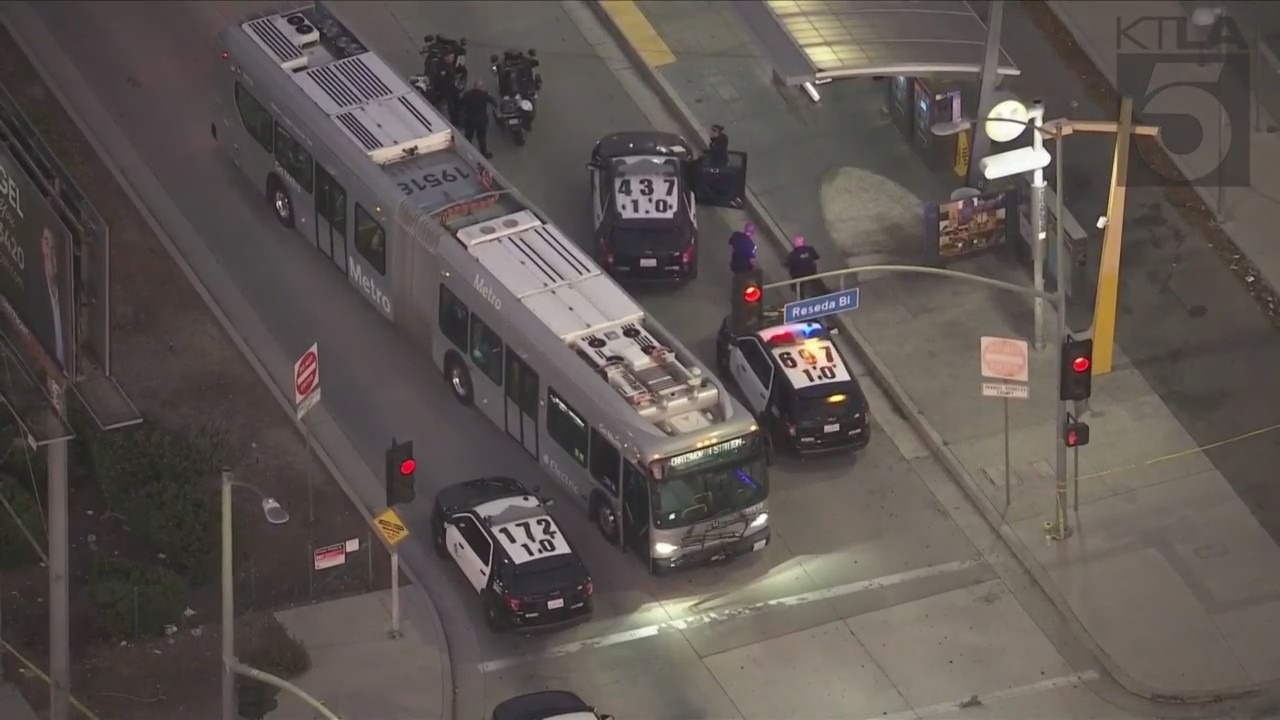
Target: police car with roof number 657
794	379
512	553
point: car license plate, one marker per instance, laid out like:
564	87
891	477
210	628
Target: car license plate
553	604
831	428
648	262
758	545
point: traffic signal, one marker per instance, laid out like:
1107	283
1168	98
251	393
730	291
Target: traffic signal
255	700
1076	434
400	473
748	301
1077	369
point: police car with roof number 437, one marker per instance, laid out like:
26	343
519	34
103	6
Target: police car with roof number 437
796	382
512	553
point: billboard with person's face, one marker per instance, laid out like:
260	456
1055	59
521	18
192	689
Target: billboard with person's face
35	267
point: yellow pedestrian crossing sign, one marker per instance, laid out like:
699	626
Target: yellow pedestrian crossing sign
961	166
391	527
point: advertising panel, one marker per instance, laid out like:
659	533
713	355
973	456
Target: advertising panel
35	265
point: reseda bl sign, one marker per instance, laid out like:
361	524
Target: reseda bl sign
811	308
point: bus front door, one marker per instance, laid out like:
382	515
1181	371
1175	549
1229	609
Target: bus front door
635	509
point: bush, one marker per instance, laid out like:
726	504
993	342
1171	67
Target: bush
152	478
135	599
15	548
272	649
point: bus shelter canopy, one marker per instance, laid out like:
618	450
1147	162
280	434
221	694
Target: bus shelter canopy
810	40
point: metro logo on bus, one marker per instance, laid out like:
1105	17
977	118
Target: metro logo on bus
365	283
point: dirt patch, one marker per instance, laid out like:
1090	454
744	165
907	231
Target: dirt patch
1180	194
175	362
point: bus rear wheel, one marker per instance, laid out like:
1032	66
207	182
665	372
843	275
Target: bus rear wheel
281	204
455	372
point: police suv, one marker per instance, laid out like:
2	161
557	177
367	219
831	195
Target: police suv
646	215
794	379
513	554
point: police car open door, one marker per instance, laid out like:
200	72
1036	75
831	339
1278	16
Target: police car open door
724	185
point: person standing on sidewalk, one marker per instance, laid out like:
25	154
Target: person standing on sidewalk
474	107
718	147
802	262
742	249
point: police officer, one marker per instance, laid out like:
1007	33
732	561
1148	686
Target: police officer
718	147
445	81
802	262
742	249
474	109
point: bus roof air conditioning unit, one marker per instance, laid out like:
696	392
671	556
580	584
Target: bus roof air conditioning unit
299	30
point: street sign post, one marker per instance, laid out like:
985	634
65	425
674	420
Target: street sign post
306	393
394	531
816	307
306	381
1007	360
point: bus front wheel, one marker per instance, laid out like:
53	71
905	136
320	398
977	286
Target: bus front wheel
455	372
278	196
606	520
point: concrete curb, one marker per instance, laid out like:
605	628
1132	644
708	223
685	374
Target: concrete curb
897	393
328	441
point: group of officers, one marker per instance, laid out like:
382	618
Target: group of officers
470	109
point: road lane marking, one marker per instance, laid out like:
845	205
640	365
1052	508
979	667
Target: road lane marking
949	708
639	32
735	613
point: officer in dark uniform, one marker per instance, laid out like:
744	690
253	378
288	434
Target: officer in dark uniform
474	109
445	82
802	262
718	147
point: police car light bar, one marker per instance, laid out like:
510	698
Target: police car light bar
787	334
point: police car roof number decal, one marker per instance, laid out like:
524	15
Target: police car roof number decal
530	539
812	362
647	188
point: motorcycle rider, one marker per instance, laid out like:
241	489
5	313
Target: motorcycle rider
446	83
474	109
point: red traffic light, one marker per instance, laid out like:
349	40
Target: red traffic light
408	466
751	293
1080	364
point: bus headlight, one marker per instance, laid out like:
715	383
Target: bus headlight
760	519
664	548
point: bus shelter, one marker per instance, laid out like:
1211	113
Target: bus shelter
814	41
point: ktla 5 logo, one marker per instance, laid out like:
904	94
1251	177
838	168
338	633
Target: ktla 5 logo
1193	83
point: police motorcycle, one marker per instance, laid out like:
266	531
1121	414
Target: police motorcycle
434	48
518	87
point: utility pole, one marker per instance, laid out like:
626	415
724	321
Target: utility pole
59	592
986	92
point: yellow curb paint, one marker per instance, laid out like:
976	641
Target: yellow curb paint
639	32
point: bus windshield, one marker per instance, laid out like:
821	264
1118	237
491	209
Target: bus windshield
710	482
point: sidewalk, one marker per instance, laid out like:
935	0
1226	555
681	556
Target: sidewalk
357	670
12	704
1168	578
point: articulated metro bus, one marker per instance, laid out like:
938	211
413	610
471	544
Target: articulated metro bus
523	325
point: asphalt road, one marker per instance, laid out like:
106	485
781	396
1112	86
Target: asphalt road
872	600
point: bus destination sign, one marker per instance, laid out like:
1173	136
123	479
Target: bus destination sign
728	449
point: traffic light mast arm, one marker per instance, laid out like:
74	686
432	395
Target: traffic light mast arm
998	284
283	684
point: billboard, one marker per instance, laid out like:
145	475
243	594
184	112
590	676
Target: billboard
957	228
35	266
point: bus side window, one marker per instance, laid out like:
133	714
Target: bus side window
486	350
294	159
606	463
331	200
371	240
454	318
566	427
257	121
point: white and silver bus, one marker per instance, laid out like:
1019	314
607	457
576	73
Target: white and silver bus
522	323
